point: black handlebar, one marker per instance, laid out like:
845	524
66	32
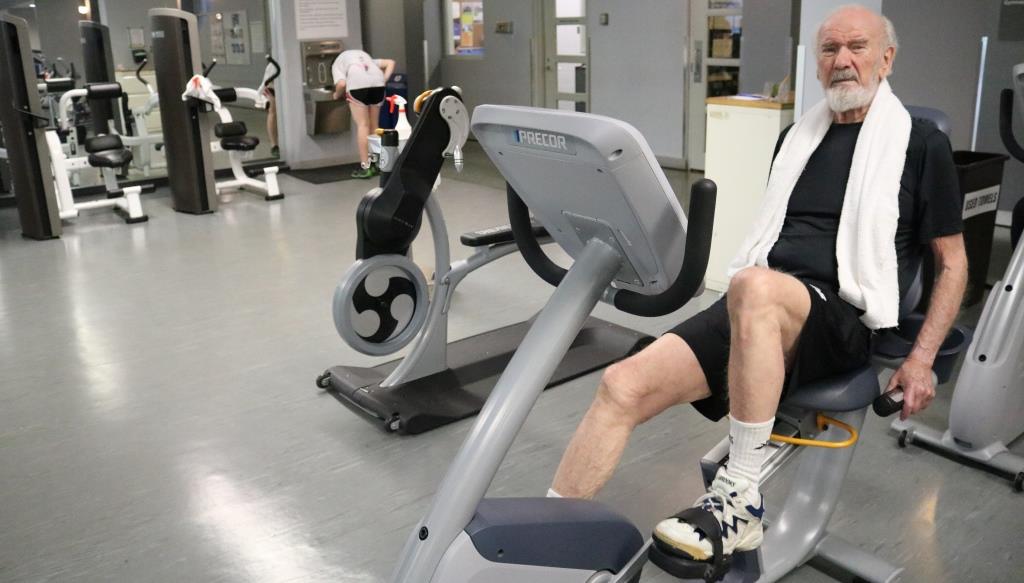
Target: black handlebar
701	218
529	246
1006	125
138	71
277	70
206	70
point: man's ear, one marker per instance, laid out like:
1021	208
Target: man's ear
887	61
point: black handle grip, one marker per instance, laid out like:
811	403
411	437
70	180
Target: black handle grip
138	71
700	222
1006	125
526	239
888	403
277	70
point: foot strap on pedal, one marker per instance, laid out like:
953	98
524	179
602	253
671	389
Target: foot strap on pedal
680	564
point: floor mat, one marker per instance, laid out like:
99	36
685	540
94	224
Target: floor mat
327	173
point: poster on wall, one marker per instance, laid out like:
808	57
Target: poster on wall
216	37
316	19
237	37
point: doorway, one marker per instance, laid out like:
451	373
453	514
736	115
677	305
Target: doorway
716	28
562	56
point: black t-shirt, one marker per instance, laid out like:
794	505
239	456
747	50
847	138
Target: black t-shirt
930	204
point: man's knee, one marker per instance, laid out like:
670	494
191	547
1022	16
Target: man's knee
754	296
624	391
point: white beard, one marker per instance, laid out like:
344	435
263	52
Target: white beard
842	98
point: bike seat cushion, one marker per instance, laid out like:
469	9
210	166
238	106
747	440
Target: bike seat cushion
102	143
849	391
230	129
241	143
110	158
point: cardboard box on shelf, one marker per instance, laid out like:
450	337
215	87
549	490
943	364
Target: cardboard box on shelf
719	23
721	48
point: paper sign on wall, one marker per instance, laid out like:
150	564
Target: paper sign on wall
317	19
236	37
216	37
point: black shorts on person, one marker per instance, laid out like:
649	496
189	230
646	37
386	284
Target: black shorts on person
833	340
368	96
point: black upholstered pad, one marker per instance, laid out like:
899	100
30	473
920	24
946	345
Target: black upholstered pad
103	90
101	143
110	158
244	143
846	392
226	94
230	129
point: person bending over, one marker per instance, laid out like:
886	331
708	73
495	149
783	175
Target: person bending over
361	78
856	188
268	92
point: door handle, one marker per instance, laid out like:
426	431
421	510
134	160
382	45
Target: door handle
698	61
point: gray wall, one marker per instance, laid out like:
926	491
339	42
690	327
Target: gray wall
944	74
301	150
119	15
384	30
923	65
502	76
640	81
767	44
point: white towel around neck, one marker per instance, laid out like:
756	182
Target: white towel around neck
866	242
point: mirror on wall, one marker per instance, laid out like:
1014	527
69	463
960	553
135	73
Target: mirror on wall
76	42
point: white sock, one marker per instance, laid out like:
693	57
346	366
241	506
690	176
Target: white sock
553	494
747	448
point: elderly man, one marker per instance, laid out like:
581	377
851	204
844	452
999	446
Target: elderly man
857	187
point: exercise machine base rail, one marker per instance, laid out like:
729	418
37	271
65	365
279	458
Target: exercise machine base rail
475	363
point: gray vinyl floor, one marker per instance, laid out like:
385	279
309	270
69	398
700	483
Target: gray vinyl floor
159	422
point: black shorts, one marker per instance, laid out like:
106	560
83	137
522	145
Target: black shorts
833	341
368	96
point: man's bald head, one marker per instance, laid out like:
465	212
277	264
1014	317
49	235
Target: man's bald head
882	28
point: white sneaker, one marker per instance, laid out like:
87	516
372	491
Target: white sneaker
730	500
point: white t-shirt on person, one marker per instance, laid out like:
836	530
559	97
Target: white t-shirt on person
358	70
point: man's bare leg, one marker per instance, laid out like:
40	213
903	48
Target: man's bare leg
767	311
664	374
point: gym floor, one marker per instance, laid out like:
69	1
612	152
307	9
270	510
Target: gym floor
159	421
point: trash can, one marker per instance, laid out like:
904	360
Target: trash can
980	175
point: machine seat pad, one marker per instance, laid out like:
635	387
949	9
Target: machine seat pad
553	532
103	90
496	235
226	94
110	158
230	129
103	143
243	143
849	391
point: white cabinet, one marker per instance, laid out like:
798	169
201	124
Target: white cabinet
741	137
